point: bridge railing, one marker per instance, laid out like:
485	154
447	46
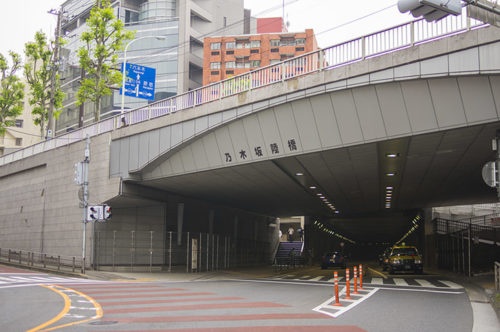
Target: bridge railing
375	44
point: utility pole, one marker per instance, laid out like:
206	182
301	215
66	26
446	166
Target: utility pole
86	162
54	68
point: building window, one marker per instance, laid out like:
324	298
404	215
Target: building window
255	43
19	141
230	45
229	52
287	42
215	72
242	44
300	41
254	51
19	123
298	49
215	53
229	72
131	17
254	63
230	64
242	63
275	42
215	46
214	65
1	151
225	21
275	50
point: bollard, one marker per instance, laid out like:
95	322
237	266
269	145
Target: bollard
336	281
348	288
360	276
355	281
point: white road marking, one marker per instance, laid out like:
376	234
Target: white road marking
424	283
342	309
316	279
377	281
400	282
450	284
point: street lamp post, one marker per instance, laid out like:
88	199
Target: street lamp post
125	65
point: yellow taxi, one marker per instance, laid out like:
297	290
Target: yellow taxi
404	258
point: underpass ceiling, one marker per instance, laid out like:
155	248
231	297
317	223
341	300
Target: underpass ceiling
436	169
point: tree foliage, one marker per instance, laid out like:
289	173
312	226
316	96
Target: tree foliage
98	57
11	91
38	72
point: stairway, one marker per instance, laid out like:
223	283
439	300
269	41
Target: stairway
283	254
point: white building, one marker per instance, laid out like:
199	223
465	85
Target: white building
178	58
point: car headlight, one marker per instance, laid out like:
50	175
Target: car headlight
396	261
418	261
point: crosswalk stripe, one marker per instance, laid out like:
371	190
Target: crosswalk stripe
450	284
377	281
424	283
400	282
316	279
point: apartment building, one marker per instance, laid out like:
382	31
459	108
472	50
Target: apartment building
169	37
227	56
24	132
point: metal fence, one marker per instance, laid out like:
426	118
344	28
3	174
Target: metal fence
189	252
466	247
41	260
375	44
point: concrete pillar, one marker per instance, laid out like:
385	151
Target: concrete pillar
180	222
211	215
235	230
429	250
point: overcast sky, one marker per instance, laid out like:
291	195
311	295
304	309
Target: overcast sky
20	19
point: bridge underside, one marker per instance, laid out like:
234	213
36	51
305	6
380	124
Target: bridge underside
435	169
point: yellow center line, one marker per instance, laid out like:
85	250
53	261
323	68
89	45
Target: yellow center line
97	306
67	304
377	272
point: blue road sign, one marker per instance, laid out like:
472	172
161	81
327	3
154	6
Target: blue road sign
139	81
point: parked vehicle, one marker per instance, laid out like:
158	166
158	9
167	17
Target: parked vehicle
333	259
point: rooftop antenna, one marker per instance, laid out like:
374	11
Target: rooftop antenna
283	27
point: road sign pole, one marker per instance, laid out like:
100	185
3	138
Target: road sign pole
86	162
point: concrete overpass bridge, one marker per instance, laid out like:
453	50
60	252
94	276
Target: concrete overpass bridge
361	135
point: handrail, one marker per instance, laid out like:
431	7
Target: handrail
372	45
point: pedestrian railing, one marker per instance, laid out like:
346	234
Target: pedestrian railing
372	45
34	259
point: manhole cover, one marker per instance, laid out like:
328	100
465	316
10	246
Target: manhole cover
104	322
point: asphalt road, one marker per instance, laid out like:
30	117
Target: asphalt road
292	301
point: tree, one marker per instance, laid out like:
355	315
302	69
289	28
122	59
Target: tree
38	72
104	38
11	91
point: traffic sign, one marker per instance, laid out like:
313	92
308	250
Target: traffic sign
139	81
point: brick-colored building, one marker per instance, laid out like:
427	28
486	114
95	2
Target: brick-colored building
224	57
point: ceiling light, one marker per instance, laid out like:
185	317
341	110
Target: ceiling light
299	174
312	187
390	174
388	188
392	155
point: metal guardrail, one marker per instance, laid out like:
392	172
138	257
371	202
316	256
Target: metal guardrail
41	260
375	44
481	233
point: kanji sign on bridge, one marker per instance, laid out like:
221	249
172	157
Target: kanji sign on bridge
139	81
